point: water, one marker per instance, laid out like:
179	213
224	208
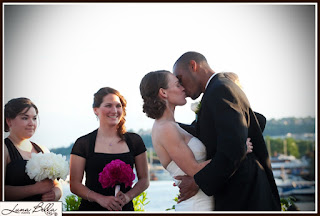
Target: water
160	194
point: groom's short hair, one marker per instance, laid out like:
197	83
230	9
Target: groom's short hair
186	57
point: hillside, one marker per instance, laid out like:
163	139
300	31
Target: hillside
289	125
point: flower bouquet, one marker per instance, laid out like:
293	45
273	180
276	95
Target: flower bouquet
115	173
47	165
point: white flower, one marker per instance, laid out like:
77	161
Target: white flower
47	165
195	107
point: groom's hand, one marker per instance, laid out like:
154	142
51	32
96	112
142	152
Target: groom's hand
187	187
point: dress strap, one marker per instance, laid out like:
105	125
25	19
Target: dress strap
92	143
129	143
38	149
13	151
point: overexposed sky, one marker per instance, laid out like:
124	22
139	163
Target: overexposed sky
59	55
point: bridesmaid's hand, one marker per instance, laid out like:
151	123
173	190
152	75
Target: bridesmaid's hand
122	196
111	203
49	196
44	186
187	187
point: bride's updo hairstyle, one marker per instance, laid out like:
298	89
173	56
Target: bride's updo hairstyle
150	84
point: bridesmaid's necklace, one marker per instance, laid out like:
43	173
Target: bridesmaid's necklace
111	143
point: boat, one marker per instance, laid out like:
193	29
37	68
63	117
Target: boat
288	172
291	185
289	165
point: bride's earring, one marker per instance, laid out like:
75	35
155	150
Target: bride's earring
96	116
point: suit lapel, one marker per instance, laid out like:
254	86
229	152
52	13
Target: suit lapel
198	119
202	100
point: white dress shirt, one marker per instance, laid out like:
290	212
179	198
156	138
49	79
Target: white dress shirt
210	79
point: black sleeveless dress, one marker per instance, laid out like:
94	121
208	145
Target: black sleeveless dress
95	162
16	170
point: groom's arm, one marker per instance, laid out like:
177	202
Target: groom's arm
226	110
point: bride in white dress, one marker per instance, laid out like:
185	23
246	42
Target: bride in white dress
179	152
199	202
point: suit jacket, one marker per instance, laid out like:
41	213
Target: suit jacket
239	182
192	127
261	120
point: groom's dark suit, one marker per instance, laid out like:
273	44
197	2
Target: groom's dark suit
237	181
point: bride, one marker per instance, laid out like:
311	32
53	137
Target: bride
179	152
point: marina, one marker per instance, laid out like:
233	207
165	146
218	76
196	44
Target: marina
161	192
288	172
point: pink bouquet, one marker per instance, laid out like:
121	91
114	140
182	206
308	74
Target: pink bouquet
115	173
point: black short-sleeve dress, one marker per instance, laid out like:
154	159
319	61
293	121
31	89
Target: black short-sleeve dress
16	170
95	162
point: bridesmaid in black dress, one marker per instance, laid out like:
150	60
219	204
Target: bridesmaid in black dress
21	121
93	151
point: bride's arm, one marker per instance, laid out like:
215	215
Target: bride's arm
172	141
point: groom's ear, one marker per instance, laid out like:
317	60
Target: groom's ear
162	93
193	65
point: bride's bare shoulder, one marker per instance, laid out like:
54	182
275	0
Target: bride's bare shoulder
165	128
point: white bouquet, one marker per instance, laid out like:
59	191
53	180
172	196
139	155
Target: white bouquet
47	165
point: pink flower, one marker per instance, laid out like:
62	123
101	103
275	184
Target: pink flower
116	172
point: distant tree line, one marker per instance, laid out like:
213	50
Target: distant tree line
289	125
290	146
63	150
273	127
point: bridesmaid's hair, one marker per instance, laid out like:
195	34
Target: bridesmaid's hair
150	84
14	107
98	99
231	76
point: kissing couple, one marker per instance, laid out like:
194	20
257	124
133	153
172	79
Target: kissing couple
211	159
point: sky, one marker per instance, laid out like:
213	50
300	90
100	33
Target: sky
59	55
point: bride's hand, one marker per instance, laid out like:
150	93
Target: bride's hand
187	187
249	145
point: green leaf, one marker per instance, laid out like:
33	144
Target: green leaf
139	202
72	202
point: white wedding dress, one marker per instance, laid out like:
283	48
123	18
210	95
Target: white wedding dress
200	201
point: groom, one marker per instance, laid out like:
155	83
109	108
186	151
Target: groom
238	182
